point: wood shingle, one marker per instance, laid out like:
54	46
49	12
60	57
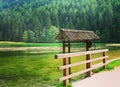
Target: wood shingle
76	35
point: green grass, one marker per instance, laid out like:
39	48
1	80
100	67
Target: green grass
62	85
113	64
109	66
21	69
23	44
29	70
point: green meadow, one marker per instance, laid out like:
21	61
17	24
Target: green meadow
24	69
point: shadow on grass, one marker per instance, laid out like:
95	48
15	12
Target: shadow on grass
113	48
11	53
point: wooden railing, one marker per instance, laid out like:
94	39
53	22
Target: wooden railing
88	61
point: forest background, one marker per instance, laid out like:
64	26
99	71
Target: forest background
40	20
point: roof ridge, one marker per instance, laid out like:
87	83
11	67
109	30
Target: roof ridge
75	30
76	35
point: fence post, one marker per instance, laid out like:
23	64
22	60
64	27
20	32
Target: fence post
104	60
65	62
88	57
88	65
69	58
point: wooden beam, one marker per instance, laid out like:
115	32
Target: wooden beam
65	62
69	57
88	65
66	71
81	72
66	55
63	47
88	45
88	57
80	63
69	50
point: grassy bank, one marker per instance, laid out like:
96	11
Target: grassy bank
113	65
21	69
24	70
23	44
110	66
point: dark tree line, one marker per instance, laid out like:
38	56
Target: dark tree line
40	20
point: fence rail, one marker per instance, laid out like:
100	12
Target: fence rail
89	66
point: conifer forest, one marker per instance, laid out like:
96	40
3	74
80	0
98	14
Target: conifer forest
40	20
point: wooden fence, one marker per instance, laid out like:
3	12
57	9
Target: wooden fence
88	61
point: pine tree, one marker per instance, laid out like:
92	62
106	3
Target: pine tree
25	36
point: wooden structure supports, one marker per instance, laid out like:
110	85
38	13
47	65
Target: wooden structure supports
66	61
66	66
88	65
88	57
68	36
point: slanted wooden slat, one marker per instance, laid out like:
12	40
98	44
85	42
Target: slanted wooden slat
81	72
80	63
57	56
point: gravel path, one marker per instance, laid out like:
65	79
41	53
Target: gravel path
102	79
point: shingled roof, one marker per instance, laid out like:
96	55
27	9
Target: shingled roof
76	35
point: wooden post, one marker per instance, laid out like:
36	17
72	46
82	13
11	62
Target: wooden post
89	65
65	62
88	45
87	48
104	60
88	57
69	57
63	47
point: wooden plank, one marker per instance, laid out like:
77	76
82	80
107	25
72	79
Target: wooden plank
113	60
81	72
80	63
66	55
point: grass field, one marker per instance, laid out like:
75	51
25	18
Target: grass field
23	44
21	69
28	70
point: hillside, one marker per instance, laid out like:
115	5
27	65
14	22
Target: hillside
40	20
